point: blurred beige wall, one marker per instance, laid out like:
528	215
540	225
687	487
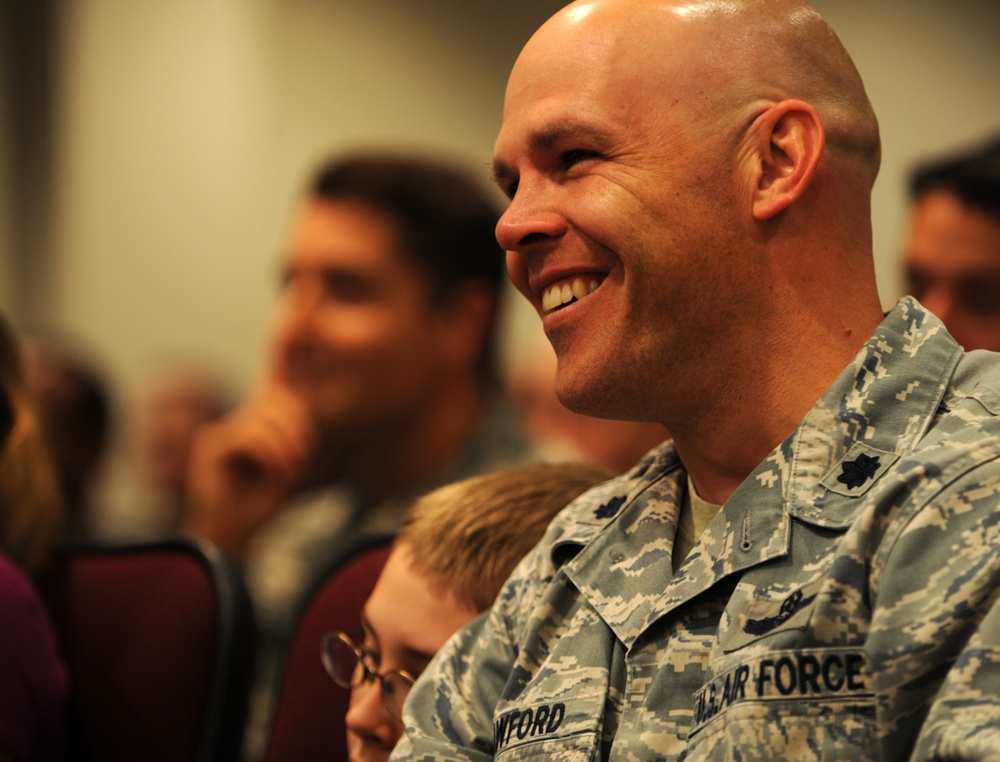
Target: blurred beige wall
931	72
152	151
187	129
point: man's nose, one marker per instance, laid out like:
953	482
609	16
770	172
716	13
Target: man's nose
366	712
299	311
531	217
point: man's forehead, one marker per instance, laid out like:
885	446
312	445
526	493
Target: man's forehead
597	94
641	45
606	59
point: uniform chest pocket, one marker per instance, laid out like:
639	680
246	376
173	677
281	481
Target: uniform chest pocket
559	728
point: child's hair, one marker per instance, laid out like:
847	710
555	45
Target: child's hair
468	536
31	511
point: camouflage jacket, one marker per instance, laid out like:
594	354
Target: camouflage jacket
841	605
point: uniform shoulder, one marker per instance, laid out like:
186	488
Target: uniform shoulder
586	517
976	380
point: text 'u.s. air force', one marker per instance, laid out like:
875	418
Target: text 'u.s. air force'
783	676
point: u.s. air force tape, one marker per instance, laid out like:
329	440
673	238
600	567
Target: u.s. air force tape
814	673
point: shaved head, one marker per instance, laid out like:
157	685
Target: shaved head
735	56
690	182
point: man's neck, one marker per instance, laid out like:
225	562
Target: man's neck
723	440
400	460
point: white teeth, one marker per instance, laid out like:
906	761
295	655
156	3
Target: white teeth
565	292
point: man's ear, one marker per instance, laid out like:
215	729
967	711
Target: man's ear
790	139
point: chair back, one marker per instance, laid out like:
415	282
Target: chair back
308	723
159	642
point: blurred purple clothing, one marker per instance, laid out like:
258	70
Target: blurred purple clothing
33	680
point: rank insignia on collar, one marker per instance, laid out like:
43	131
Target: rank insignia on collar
610	508
859	468
857	472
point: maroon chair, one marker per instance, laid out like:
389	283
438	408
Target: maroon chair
308	722
159	642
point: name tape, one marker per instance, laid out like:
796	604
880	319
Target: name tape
528	723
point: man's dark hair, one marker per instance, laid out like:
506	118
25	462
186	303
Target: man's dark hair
445	220
973	177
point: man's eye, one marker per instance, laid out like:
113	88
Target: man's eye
346	288
569	158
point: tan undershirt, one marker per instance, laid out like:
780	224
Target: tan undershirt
696	513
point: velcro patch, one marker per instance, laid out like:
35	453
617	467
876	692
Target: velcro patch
532	723
786	675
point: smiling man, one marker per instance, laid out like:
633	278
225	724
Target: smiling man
379	379
378	385
809	570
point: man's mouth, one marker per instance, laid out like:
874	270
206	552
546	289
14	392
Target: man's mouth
304	366
567	291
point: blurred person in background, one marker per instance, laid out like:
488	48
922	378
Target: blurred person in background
951	255
178	399
75	412
33	679
379	383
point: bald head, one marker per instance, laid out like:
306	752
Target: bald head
723	59
672	168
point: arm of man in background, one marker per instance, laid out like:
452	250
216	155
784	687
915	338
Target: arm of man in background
245	466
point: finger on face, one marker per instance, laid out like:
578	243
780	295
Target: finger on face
270	437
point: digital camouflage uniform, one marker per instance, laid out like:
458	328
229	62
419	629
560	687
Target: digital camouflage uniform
842	604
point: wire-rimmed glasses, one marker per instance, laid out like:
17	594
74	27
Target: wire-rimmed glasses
350	665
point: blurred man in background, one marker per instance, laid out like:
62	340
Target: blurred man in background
379	383
952	248
178	399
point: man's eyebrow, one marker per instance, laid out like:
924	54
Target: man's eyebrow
417	655
545	139
413	654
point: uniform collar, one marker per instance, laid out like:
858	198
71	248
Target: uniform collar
875	411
